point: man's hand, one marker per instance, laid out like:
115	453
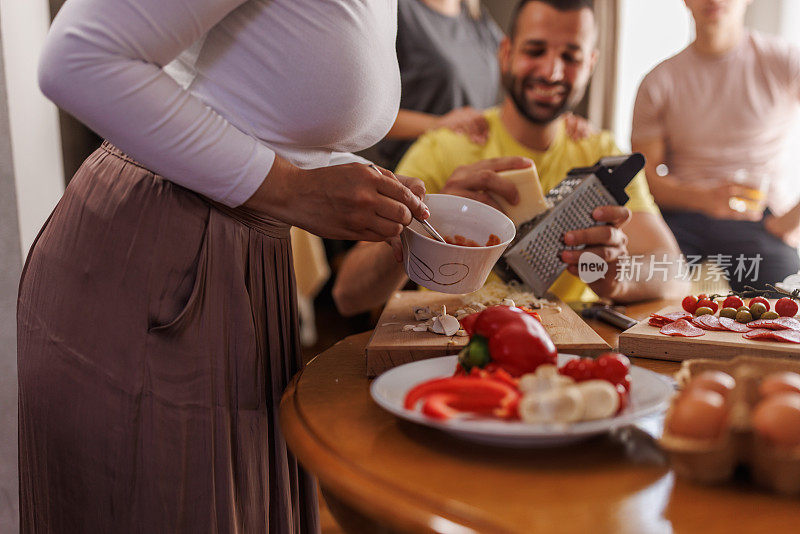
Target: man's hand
477	180
714	201
606	240
785	228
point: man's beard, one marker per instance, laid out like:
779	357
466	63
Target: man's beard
528	109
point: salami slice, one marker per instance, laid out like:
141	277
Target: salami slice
790	336
732	325
708	322
683	328
672	316
781	323
753	334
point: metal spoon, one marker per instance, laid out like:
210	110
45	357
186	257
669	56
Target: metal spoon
425	224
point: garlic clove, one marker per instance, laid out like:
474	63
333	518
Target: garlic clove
450	324
422	312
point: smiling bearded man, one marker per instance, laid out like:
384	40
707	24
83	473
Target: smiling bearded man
546	65
541	88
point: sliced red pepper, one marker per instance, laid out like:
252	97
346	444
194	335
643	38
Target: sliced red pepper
493	371
490	393
533	313
447	405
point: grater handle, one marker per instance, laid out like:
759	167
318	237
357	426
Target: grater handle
616	174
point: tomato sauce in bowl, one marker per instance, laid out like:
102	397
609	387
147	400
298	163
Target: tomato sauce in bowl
462	241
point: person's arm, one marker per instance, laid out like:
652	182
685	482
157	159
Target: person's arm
411	124
366	278
650	240
785	227
642	235
102	62
670	193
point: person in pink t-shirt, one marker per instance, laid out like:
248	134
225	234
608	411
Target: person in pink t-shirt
712	122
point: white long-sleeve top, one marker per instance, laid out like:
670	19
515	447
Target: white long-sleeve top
308	80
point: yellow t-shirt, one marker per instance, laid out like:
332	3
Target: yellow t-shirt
435	155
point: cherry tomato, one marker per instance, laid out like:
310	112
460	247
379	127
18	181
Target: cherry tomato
689	303
702	296
579	370
612	367
708	303
786	307
733	302
762	300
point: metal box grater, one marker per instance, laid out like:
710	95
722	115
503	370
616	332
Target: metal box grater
533	255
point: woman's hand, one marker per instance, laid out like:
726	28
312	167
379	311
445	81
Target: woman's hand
353	201
577	127
467	121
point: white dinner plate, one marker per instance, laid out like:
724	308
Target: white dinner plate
650	394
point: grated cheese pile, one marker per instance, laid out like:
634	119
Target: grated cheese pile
495	292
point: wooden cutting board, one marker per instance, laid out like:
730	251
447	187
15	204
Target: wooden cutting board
645	341
390	346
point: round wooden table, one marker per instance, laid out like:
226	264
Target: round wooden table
381	474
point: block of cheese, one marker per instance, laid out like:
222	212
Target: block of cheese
531	198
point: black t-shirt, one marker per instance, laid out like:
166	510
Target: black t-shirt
445	63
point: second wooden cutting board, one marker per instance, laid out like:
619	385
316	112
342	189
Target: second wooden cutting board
645	341
390	346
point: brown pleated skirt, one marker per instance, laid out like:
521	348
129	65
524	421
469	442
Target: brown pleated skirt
156	333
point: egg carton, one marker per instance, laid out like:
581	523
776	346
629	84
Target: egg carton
714	461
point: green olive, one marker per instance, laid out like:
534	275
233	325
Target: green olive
728	312
756	309
769	314
743	317
743	308
703	310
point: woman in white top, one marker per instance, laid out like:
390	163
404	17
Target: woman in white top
157	323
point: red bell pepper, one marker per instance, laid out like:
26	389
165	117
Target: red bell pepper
521	348
464	394
494	318
468	323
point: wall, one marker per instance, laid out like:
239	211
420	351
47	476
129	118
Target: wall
650	32
10	265
35	140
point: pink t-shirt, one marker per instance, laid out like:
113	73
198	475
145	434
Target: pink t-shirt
727	117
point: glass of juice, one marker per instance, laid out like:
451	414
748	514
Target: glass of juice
753	197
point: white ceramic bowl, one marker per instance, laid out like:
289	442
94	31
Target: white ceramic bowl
453	268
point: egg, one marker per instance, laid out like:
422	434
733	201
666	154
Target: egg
778	382
777	418
698	414
722	383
